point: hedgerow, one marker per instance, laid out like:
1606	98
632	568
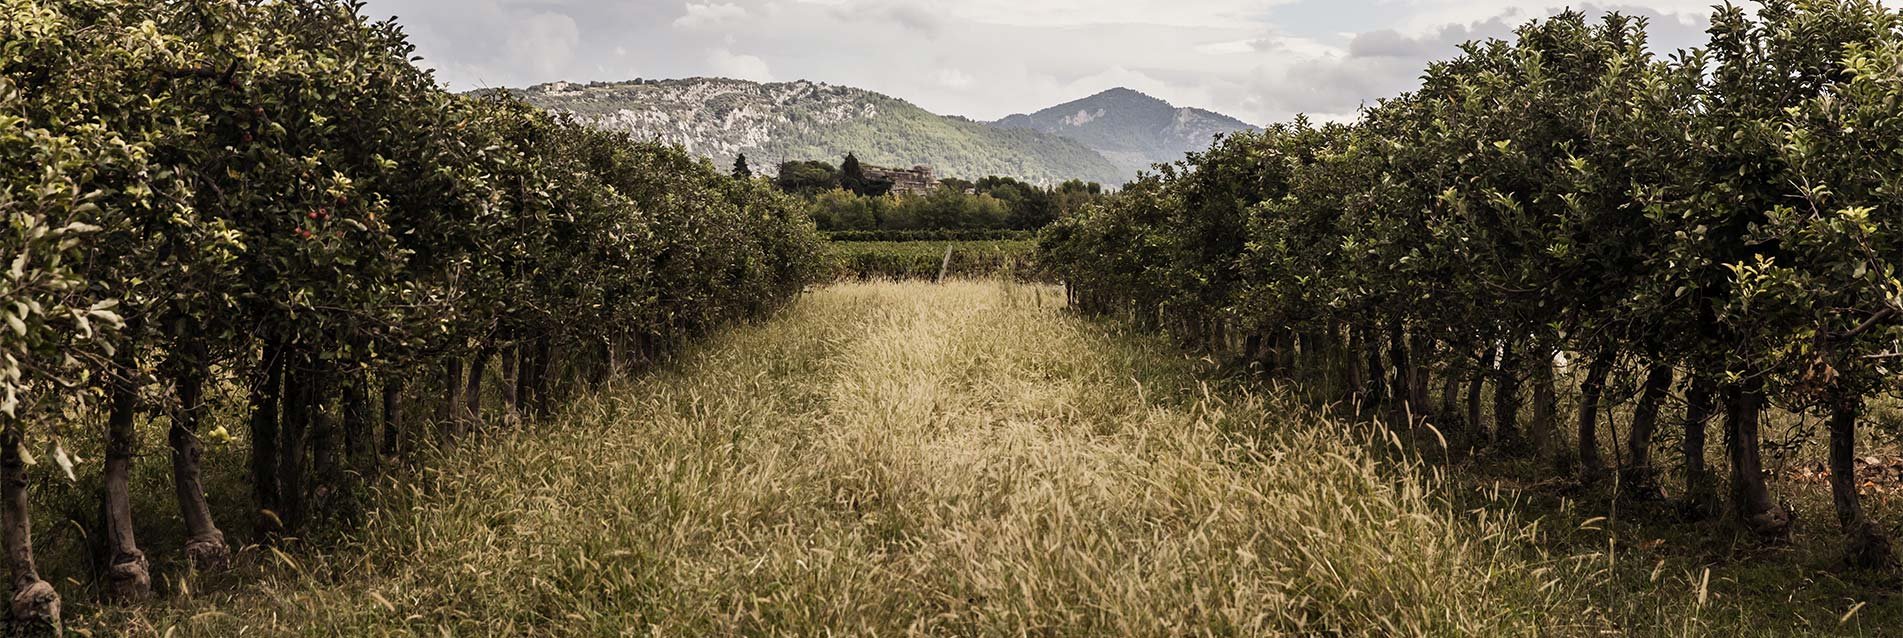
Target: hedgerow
205	193
1722	220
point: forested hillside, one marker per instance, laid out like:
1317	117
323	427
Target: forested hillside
774	123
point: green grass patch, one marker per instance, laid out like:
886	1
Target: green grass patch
1011	258
906	459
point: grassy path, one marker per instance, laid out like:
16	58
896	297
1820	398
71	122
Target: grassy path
907	459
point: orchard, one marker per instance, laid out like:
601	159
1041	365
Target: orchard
1690	241
209	197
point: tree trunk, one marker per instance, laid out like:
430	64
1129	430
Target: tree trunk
511	372
605	362
1399	389
1701	491
1251	347
1864	542
35	603
265	398
1506	401
1305	362
299	400
1355	379
1750	500
392	414
1545	431
1638	479
449	416
1287	345
1449	391
1281	351
472	395
525	379
357	427
544	358
323	440
1377	375
1591	467
1421	352
1475	427
204	544
128	575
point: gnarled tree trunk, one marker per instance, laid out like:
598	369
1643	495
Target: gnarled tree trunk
1864	543
1377	375
128	576
204	543
1475	427
1399	388
1449	391
1591	466
1701	491
265	398
1638	479
35	603
1506	401
323	442
472	395
1750	499
300	399
1545	430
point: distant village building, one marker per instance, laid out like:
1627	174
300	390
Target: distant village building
916	180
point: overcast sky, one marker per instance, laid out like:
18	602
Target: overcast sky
1259	60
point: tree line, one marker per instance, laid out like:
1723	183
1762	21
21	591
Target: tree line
269	196
845	198
1722	221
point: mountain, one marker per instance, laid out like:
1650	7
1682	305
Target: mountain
770	123
1133	130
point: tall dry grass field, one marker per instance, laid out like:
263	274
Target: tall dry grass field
893	459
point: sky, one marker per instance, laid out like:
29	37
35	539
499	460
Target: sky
1259	60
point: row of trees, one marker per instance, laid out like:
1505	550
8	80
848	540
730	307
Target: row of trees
842	202
270	196
1724	221
813	177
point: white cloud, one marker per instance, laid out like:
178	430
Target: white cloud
1258	60
546	42
709	14
956	79
1231	47
726	63
1071	13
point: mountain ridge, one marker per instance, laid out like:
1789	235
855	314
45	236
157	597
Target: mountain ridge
1108	137
773	122
1129	127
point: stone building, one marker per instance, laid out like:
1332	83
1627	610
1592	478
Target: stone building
916	180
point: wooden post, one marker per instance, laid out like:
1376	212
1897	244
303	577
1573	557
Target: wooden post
943	265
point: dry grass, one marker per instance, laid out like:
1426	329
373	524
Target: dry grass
905	459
